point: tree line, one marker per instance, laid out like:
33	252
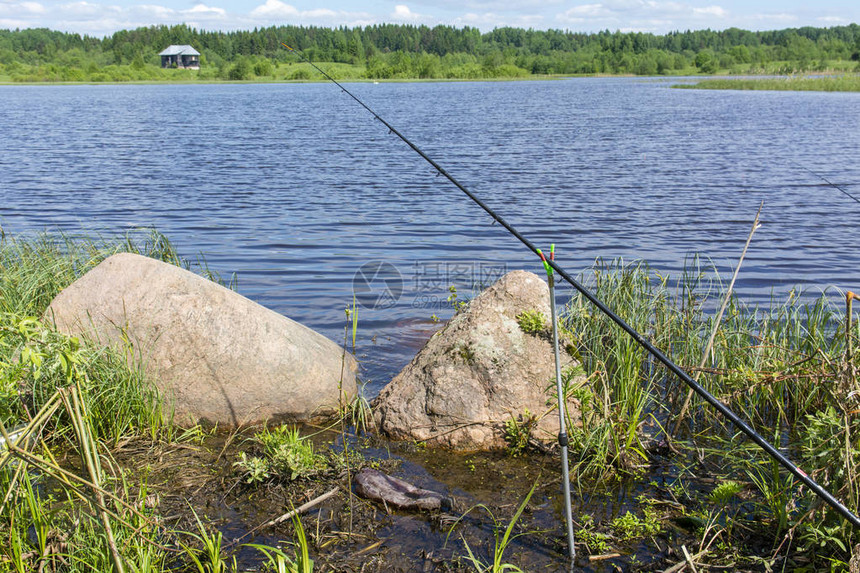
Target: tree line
405	51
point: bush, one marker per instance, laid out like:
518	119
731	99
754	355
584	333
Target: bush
300	74
263	68
241	70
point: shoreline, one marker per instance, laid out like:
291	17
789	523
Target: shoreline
761	82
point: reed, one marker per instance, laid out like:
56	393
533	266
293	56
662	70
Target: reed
35	360
786	369
34	269
837	83
503	538
620	390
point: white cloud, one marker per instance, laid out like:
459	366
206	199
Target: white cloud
320	13
203	9
495	7
275	12
275	9
780	18
402	13
21	9
152	11
32	7
625	5
716	11
81	9
10	24
587	11
103	17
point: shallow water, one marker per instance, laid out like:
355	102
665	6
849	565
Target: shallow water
486	489
295	187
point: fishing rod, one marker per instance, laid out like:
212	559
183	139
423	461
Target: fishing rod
826	180
650	348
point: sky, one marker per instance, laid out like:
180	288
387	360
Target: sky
103	17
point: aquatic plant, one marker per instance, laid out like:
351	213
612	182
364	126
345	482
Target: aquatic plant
630	526
595	541
34	269
518	432
277	559
209	558
840	83
285	455
618	393
502	539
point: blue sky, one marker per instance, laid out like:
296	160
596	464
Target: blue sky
103	17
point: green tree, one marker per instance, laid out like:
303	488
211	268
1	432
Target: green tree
646	65
706	62
241	70
263	68
137	63
740	54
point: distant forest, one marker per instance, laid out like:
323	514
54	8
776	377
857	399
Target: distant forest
389	51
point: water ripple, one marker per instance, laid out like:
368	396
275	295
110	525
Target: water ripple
294	186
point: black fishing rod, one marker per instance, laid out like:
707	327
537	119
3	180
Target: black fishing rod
653	350
826	180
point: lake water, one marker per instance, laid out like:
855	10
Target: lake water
295	187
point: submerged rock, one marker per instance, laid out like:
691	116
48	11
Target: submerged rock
480	371
215	355
375	485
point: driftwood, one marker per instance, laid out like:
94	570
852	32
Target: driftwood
297	511
301	509
375	485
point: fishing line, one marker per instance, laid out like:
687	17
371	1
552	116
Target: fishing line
654	351
826	180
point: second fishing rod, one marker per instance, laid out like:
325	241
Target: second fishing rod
740	424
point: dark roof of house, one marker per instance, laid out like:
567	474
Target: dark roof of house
179	51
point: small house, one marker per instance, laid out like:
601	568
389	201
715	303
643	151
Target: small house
180	57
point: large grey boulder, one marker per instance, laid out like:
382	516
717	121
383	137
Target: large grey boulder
481	370
215	355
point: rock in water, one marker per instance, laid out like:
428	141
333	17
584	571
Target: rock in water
481	370
215	355
375	485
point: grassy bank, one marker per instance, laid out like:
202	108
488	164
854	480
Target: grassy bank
260	70
844	83
69	407
107	483
789	370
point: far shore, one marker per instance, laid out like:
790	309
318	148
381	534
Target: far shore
820	81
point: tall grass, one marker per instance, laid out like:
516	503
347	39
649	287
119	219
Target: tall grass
840	83
83	399
622	386
33	270
782	368
35	359
86	399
